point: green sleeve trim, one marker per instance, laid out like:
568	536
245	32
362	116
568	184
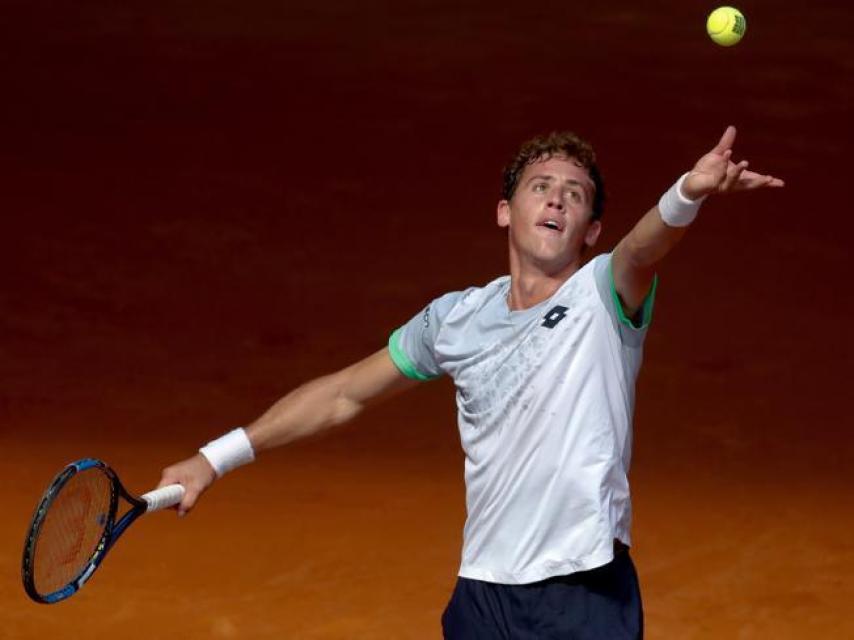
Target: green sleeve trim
646	305
402	361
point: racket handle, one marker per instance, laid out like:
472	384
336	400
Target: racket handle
164	497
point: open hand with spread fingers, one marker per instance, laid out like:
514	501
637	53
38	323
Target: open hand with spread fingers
715	172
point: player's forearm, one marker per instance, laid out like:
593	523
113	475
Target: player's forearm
308	409
635	258
649	241
317	405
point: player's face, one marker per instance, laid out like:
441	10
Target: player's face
549	215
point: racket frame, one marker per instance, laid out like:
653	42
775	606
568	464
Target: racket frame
112	529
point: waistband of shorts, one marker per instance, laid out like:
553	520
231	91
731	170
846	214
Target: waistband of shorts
620	547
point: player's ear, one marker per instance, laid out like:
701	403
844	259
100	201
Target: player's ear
592	233
503	213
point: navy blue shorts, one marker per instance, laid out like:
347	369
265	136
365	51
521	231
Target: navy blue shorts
600	604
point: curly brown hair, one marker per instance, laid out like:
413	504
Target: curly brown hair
556	143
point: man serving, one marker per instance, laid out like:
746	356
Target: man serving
544	362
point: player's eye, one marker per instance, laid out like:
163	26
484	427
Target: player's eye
573	196
540	187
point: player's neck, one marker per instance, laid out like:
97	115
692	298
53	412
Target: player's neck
530	285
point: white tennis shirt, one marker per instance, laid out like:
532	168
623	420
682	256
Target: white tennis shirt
545	398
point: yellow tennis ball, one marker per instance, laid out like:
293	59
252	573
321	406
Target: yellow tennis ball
726	26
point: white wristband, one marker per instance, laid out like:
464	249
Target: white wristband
229	452
676	210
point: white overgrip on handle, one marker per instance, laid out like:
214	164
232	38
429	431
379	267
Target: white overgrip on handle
164	497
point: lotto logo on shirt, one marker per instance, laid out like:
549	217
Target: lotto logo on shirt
555	315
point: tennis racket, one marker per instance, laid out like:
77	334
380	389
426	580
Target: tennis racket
75	525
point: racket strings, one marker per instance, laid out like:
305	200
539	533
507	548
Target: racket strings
72	528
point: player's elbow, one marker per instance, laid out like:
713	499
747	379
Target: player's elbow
342	407
345	410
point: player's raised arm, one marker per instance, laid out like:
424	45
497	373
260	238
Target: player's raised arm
314	406
635	257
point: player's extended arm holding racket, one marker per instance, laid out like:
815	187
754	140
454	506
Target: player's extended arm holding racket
635	257
314	406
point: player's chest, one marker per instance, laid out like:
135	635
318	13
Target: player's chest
490	349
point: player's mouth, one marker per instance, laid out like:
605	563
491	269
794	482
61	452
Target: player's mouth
555	225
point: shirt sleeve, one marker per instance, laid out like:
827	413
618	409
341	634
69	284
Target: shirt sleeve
413	346
604	275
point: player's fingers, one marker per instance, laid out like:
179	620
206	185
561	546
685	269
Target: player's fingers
719	166
733	174
769	181
192	493
195	475
167	477
726	141
753	180
188	502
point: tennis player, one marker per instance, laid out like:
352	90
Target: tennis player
544	362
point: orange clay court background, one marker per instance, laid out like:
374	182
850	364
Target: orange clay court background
206	203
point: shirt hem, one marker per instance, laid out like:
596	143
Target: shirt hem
536	574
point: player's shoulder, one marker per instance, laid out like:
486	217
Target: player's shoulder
600	261
470	298
590	272
599	267
594	275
